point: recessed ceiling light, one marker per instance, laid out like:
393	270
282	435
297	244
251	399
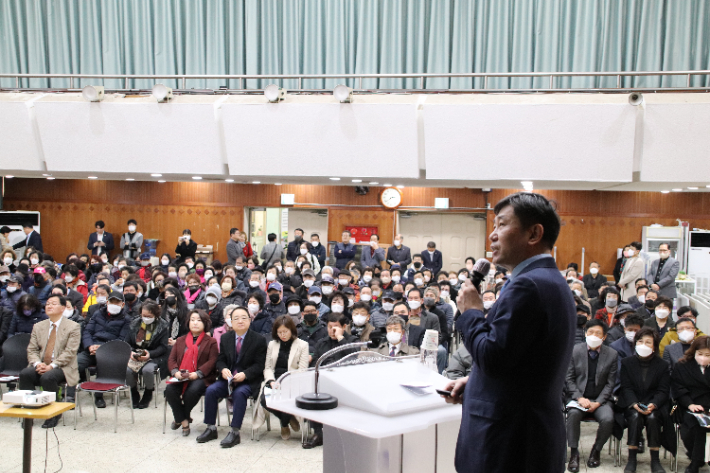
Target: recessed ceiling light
386	184
229	180
692	188
277	183
45	175
197	178
373	183
130	179
256	182
400	186
93	177
157	175
665	192
50	178
9	177
161	181
357	180
708	186
677	190
334	178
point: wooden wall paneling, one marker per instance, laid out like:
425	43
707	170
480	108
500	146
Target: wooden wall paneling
339	218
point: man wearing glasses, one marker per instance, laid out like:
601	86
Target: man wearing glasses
662	272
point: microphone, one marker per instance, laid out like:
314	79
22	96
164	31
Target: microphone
479	272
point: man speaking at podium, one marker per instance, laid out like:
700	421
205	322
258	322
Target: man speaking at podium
512	417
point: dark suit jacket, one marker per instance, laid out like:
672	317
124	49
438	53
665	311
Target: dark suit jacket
690	386
576	381
673	353
434	263
35	242
655	390
521	352
251	361
107	239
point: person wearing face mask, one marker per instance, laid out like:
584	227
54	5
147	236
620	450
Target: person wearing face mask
432	258
174	310
418	315
317	250
227	326
489	298
165	260
294	307
97	300
360	327
145	270
380	316
398	253
643	395
649	302
662	272
11	293
108	323
148	338
661	320
100	242
344	251
687	333
289	276
633	268
610	306
327	285
193	290
261	320
32	238
256	285
213	295
625	345
5	239
416	268
312	329
616	331
315	295
372	254
640	298
593	280
7	258
429	302
309	280
242	273
294	246
275	305
690	385
131	241
583	316
229	295
72	281
366	295
186	246
29	311
339	305
41	287
285	352
589	387
671	336
395	345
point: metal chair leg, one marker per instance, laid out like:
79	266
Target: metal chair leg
116	395
165	411
156	385
78	404
133	419
268	421
93	404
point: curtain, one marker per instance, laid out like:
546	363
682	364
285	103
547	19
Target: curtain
354	37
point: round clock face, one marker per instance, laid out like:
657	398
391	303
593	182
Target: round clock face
391	197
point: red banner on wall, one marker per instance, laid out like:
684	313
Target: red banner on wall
361	234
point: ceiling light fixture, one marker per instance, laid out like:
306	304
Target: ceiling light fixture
692	188
45	175
665	192
157	175
93	177
387	184
277	183
274	93
357	180
197	178
93	93
343	93
50	178
256	182
229	180
162	93
161	181
400	186
334	178
677	190
527	185
130	179
9	177
374	183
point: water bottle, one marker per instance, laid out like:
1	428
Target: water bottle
429	349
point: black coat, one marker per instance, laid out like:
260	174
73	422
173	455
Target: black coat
312	338
592	284
251	361
655	390
263	323
185	250
690	386
326	344
107	239
158	345
35	242
104	327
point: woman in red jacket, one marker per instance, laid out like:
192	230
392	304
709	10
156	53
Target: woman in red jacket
248	252
192	362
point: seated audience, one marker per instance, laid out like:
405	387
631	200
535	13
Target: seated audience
625	346
583	316
616	331
661	321
396	346
192	363
646	310
312	329
227	326
11	293
611	303
590	384
240	365
687	333
593	280
671	335
360	327
29	312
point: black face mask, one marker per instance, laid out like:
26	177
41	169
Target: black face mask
274	298
129	297
171	300
417	265
649	304
95	268
398	295
310	318
581	320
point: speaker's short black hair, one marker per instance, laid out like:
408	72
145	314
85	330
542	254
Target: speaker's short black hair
597	323
531	209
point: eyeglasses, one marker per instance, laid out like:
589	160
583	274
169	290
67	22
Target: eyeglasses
240	319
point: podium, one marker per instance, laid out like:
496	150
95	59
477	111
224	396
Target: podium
379	426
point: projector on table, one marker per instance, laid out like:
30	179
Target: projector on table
26	398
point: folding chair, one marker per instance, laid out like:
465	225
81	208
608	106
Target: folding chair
111	362
15	353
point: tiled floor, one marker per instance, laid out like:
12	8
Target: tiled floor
142	447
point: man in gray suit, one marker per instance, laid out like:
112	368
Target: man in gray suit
590	382
662	272
373	254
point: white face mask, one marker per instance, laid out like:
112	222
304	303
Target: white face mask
226	286
488	304
315	299
359	320
253	308
337	308
327	290
453	282
418	281
293	309
662	313
114	309
643	350
148	320
642	299
594	271
343	282
254	283
11	289
68	277
394	337
396	278
8	260
686	336
444	294
414	305
172	274
315	244
578	293
211	301
239	268
68	313
190	264
386	280
271	277
462	277
397	242
351	302
4	279
228	322
289	270
388	306
308	282
365	297
593	341
34	261
101	300
367	278
304	251
630	335
131	228
165	261
628	253
499	280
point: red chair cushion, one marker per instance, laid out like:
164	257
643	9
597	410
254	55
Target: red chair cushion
94	386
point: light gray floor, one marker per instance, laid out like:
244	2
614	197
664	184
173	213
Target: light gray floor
142	447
